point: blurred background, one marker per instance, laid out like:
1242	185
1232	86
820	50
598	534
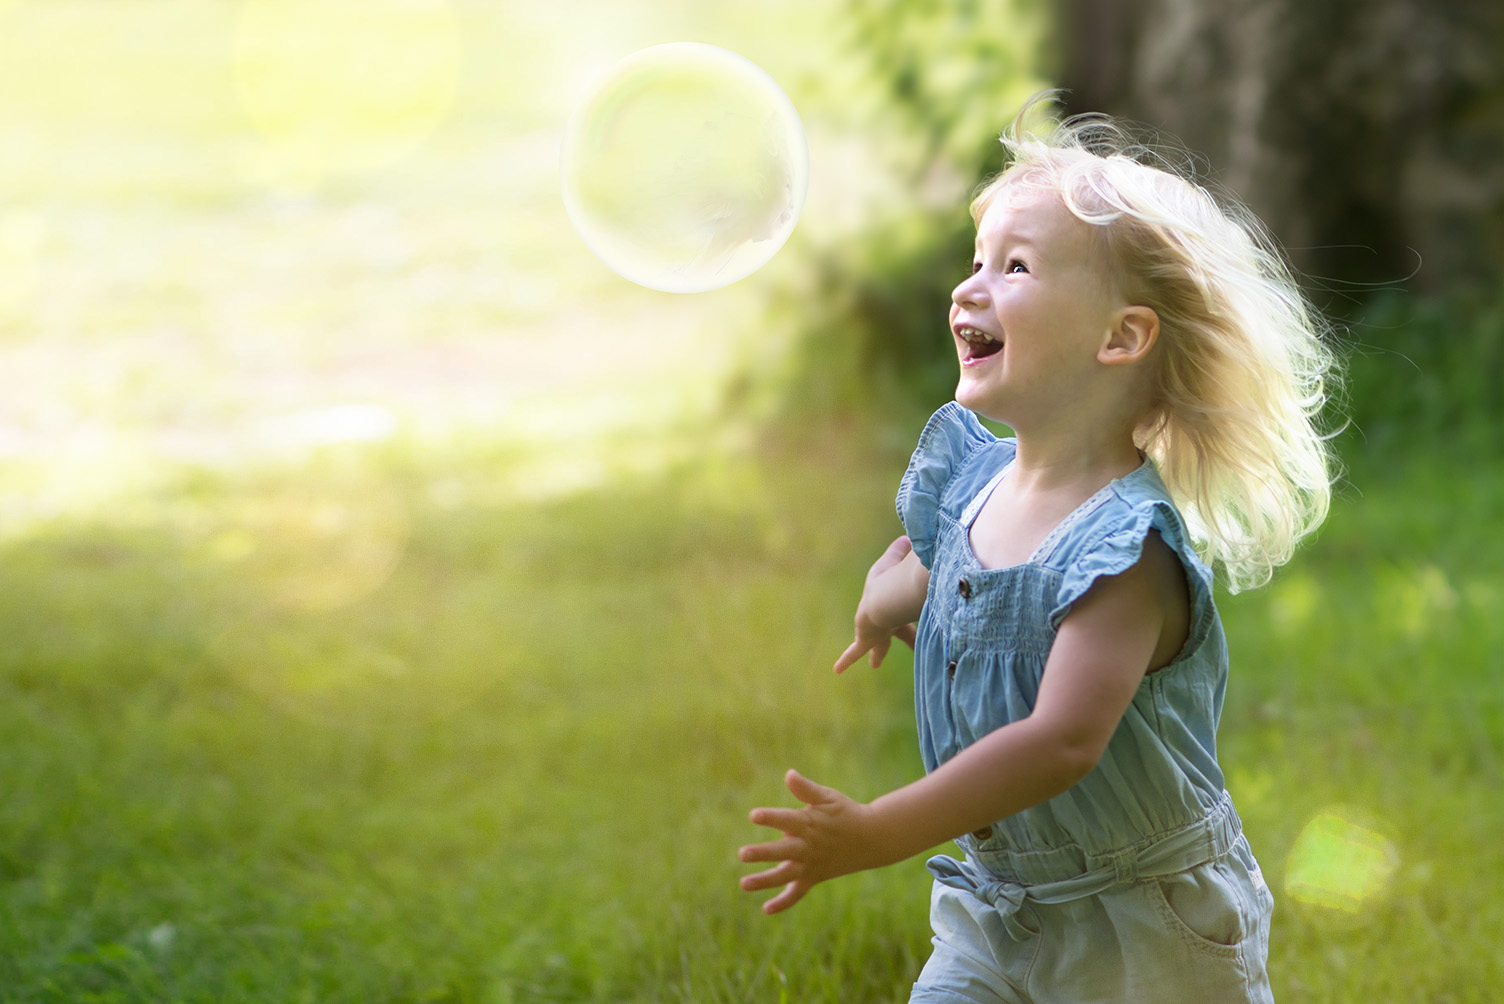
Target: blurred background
400	606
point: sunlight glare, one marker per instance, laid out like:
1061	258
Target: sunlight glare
341	423
344	86
84	469
22	235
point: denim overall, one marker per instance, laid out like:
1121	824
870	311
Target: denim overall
1137	884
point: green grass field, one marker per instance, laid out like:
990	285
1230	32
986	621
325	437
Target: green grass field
369	640
518	769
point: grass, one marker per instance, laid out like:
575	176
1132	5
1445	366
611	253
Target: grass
517	769
1368	676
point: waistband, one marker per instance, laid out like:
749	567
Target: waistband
1209	837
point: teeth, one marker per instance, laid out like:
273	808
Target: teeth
973	335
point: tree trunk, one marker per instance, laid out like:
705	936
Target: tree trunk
1368	134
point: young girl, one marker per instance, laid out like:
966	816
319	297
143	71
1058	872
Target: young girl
1162	375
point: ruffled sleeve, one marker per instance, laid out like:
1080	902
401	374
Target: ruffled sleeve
1118	549
952	435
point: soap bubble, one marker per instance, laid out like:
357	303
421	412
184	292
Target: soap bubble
685	167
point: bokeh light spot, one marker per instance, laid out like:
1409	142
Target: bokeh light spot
313	546
1339	863
344	86
1412	601
685	167
1294	603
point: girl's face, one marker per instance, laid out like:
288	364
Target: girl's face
1030	319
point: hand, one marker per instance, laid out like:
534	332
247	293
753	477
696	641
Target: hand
873	639
832	836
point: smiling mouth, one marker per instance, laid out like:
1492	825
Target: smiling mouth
979	344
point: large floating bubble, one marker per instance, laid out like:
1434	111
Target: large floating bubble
685	168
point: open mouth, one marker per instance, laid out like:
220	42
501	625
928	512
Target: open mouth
979	344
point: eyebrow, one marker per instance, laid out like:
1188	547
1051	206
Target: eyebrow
1013	240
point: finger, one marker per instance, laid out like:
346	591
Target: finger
773	850
808	791
848	658
899	549
770	879
792	893
906	634
787	820
879	653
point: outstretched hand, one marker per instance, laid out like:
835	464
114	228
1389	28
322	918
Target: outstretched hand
873	639
831	836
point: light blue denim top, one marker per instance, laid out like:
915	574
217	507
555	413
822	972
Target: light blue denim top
984	636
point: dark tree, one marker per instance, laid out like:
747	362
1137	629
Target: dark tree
1368	134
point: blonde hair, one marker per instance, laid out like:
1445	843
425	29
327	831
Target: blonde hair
1242	371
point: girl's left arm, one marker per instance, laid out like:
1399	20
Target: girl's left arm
1099	658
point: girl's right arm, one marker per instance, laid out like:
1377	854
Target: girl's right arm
891	601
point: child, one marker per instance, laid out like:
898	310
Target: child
1162	375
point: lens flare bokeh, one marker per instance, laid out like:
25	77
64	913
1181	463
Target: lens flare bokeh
685	168
312	544
1341	861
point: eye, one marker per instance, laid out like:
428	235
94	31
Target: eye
1014	265
976	267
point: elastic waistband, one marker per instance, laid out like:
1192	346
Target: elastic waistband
1218	826
1165	854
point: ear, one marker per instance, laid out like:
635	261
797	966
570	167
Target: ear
1131	337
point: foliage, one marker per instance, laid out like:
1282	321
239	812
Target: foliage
1421	373
939	84
954	72
1426	376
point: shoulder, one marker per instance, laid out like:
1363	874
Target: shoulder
952	434
954	457
1161	575
1136	526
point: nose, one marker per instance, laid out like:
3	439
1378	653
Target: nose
970	293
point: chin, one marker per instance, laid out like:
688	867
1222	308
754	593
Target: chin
970	398
989	412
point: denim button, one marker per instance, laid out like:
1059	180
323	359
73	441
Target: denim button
964	588
950	670
985	833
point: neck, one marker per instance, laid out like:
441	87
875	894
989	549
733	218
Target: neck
1061	459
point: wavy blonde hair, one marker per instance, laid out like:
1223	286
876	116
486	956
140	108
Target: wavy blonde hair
1243	372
